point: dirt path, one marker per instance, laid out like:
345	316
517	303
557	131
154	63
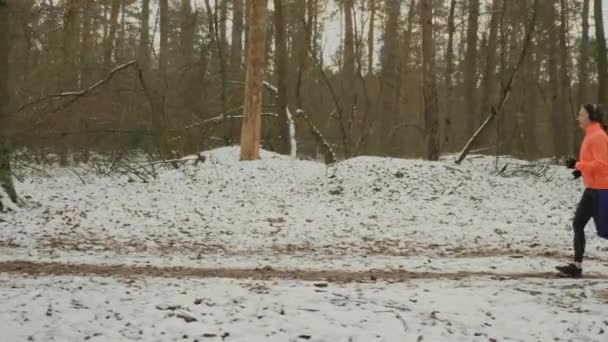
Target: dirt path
65	269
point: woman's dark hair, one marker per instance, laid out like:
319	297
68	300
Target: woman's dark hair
596	114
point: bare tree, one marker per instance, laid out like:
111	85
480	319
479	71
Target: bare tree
390	78
370	37
470	68
236	47
143	54
429	83
252	112
282	75
449	71
602	58
109	44
6	181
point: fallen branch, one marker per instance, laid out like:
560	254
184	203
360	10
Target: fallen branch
223	117
75	95
507	90
328	152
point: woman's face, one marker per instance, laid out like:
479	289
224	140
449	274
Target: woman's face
583	118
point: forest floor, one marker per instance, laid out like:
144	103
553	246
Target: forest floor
368	249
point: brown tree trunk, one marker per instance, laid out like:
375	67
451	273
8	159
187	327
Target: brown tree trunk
186	36
71	24
109	43
390	80
252	112
370	37
86	44
583	69
282	76
348	74
552	41
6	181
449	84
583	65
602	67
236	49
144	37
470	67
490	67
566	110
160	112
429	84
164	39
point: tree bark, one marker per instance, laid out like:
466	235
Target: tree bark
86	44
429	83
71	24
371	38
252	112
583	69
143	57
6	181
470	66
186	35
602	67
282	76
348	73
566	110
390	77
449	83
164	39
489	74
583	65
236	49
109	43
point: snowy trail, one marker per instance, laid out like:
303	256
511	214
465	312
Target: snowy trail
159	309
338	276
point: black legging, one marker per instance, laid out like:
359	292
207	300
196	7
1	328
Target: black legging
584	212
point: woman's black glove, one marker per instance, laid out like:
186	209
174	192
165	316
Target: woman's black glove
571	163
577	174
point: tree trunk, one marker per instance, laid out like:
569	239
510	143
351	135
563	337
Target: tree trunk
144	36
583	69
160	112
490	68
370	37
164	39
348	73
583	65
470	67
109	44
429	84
186	36
252	112
567	119
390	80
236	49
119	50
282	75
6	181
449	84
602	67
554	79
71	24
86	44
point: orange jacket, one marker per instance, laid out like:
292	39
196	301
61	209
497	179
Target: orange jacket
593	159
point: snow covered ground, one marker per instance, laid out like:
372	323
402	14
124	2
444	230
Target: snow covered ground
461	252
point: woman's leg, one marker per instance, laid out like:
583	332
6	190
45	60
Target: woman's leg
584	212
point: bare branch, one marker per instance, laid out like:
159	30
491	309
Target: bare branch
507	90
75	94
